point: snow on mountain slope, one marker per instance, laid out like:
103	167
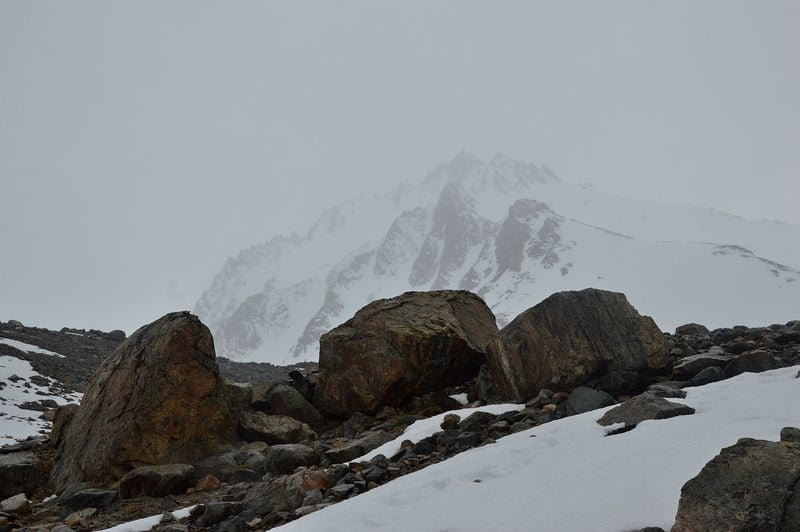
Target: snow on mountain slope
567	475
512	232
21	384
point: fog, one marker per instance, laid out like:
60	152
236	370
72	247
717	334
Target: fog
141	144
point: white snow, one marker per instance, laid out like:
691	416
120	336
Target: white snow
17	423
566	476
146	523
30	348
460	397
423	428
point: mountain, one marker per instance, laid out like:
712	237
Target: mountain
513	232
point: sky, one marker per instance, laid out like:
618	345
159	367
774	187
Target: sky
143	143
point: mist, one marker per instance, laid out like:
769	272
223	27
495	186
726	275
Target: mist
141	145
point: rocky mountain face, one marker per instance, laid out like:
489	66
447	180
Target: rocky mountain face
513	233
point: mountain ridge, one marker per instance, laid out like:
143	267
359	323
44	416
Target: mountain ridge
512	232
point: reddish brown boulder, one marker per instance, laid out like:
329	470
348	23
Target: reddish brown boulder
158	399
394	349
592	337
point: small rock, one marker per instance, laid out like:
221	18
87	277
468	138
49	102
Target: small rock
80	517
662	390
88	498
208	483
18	504
450	422
477	421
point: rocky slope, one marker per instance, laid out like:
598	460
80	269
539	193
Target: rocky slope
288	459
511	232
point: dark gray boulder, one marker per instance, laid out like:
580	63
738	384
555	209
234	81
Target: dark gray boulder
707	376
694	364
753	362
286	458
578	338
750	486
641	408
156	481
583	399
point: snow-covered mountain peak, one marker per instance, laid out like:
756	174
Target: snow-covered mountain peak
513	233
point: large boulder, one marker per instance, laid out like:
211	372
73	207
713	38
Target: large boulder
394	349
752	485
158	399
591	337
273	430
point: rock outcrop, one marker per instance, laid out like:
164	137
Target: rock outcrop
158	399
591	337
752	485
394	349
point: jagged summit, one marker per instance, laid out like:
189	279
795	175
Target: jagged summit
501	174
511	232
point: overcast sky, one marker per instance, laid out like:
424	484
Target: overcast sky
142	143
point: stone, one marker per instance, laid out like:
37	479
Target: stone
394	349
691	329
18	504
750	485
88	498
216	512
20	472
476	422
641	408
284	400
274	430
753	362
544	397
282	494
286	458
663	390
707	376
157	481
571	338
365	443
80	517
222	466
157	399
450	421
694	364
583	399
208	483
316	479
